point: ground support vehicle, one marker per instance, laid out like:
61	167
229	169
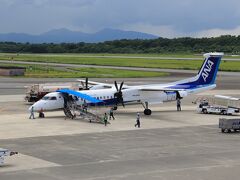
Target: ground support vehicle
218	104
213	109
35	92
229	125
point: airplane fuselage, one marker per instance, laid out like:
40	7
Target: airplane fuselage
54	101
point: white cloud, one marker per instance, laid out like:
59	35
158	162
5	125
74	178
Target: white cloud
165	18
161	31
171	32
47	3
218	32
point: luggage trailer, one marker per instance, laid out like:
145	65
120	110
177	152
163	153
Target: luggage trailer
229	125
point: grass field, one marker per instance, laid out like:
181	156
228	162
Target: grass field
177	55
94	59
51	72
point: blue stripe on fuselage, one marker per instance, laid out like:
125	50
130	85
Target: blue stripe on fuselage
107	102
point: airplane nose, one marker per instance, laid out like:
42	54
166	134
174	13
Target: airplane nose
35	107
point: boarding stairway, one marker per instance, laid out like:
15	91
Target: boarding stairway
67	111
91	117
71	109
68	108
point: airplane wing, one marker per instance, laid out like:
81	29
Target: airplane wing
81	95
169	87
160	89
93	83
99	84
181	92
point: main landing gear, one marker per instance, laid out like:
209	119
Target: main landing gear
146	110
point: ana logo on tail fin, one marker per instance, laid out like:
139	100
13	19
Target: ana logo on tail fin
207	69
208	72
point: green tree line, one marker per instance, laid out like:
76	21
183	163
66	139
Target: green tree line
227	44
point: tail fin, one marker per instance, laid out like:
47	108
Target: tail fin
206	75
208	72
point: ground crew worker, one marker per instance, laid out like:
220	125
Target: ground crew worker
138	121
85	106
178	104
41	114
32	113
105	118
111	114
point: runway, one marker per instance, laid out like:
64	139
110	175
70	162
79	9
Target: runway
169	145
8	86
173	71
198	57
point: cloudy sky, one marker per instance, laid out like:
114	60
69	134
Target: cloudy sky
165	18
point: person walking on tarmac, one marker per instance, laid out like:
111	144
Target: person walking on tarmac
138	121
111	114
178	104
32	113
85	106
105	119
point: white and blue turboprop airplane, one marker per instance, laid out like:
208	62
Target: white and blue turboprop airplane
141	94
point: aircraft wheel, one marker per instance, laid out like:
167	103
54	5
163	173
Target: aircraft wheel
204	111
147	112
115	108
224	112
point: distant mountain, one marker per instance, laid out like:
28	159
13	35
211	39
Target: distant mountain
65	35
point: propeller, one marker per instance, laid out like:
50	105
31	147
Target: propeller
118	95
85	85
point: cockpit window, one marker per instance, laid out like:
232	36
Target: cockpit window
49	98
53	98
45	98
